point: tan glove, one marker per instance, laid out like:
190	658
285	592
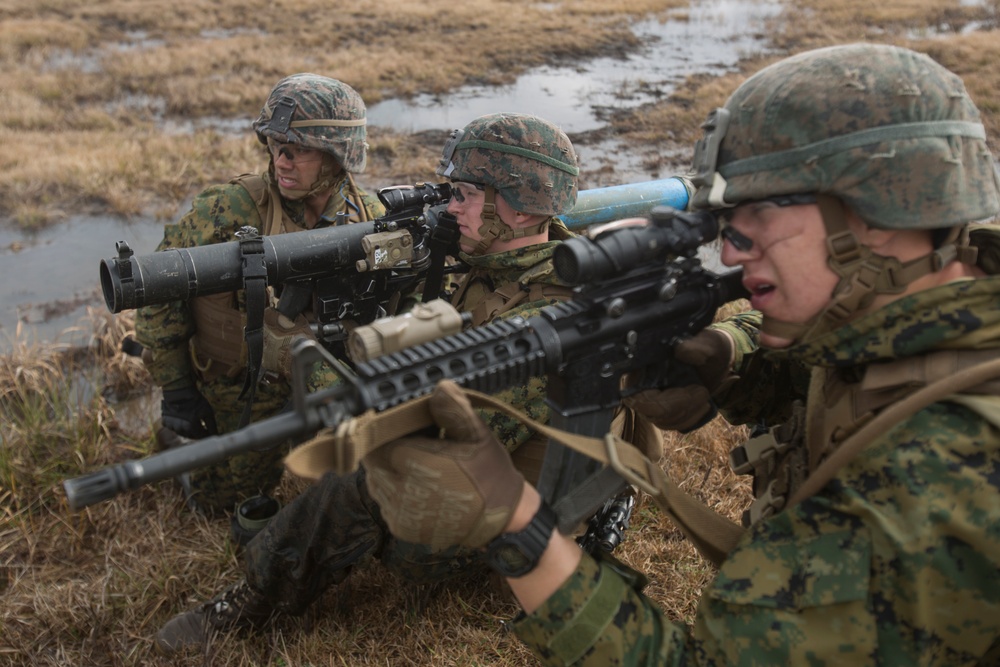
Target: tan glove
460	490
682	409
279	335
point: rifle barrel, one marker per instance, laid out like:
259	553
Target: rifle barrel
108	482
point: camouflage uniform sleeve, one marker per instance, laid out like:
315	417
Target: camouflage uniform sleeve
744	329
767	387
830	581
595	618
372	205
792	594
165	329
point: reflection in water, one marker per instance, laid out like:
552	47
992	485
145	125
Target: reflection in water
54	274
709	37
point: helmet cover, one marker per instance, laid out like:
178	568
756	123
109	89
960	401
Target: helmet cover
317	112
528	160
889	131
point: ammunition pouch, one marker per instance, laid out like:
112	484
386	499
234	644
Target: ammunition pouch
217	348
783	458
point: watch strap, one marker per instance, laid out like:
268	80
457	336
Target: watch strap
527	544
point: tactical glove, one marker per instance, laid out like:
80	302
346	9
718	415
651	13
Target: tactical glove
459	490
685	408
279	335
187	413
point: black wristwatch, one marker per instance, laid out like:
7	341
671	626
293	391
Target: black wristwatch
517	554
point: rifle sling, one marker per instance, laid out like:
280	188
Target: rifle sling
342	448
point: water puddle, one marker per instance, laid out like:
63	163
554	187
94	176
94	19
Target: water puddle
709	37
53	275
54	272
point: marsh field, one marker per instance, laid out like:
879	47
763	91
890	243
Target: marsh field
124	108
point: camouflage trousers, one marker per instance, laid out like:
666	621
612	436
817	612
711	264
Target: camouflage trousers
334	525
218	488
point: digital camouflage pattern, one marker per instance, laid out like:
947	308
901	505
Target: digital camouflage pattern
334	524
328	115
889	131
524	266
166	330
530	162
894	562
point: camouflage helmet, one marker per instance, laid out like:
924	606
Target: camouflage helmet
528	160
317	112
888	131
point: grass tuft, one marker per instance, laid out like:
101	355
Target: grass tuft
98	114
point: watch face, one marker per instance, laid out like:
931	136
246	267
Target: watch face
509	560
517	554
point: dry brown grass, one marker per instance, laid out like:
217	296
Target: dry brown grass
91	90
91	588
930	26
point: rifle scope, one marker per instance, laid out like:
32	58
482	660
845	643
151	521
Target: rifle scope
669	233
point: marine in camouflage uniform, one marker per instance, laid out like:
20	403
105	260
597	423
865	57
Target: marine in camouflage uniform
524	169
195	350
895	560
314	541
868	546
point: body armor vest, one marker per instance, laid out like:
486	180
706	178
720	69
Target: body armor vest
838	406
217	348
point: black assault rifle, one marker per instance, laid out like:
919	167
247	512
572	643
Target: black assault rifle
640	290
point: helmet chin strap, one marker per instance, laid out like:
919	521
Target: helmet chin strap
864	274
493	228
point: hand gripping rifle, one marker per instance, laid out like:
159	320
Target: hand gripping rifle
640	289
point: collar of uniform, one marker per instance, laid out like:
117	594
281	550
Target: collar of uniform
960	314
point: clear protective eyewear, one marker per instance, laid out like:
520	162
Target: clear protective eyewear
292	153
460	190
725	215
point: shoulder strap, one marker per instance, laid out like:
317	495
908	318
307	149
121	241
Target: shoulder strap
341	449
890	416
268	207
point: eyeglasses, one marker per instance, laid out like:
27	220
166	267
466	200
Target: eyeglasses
724	215
740	241
460	190
292	153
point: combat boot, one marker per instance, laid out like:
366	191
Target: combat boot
239	606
